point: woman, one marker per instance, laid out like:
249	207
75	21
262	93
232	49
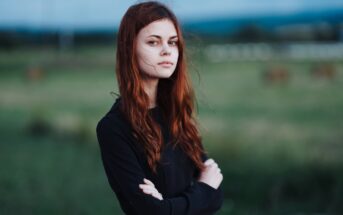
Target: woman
150	145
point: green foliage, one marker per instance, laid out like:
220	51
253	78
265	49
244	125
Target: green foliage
279	145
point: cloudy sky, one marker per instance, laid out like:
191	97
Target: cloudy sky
107	13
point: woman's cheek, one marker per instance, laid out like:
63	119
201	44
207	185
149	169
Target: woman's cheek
150	54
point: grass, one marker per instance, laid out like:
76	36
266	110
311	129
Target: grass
278	145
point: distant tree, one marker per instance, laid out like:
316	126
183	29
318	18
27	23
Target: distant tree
251	33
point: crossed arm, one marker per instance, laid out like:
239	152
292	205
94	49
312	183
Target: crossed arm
211	176
125	175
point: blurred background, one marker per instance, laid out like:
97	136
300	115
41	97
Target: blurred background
268	77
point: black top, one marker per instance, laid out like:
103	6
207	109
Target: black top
126	165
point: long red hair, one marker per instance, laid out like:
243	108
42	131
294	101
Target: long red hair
175	95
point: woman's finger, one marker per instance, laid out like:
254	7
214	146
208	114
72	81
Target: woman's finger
158	196
148	182
149	191
146	186
153	193
209	162
214	164
149	188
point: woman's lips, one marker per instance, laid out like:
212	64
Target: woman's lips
166	64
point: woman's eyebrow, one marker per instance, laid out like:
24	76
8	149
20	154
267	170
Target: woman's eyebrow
159	37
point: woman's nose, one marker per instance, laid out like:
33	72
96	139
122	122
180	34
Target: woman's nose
165	49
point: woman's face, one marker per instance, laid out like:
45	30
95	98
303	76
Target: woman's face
157	49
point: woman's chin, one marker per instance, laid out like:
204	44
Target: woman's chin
165	74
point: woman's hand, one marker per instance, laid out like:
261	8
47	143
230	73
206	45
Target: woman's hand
149	188
211	175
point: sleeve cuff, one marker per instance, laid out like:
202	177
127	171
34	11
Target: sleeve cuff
207	188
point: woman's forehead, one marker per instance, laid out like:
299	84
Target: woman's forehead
161	29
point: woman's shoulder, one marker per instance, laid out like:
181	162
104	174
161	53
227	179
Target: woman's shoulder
113	121
115	133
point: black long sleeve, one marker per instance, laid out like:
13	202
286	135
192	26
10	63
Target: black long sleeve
125	171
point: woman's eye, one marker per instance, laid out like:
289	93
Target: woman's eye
173	43
152	43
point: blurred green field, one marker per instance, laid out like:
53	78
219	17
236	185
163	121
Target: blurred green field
279	145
